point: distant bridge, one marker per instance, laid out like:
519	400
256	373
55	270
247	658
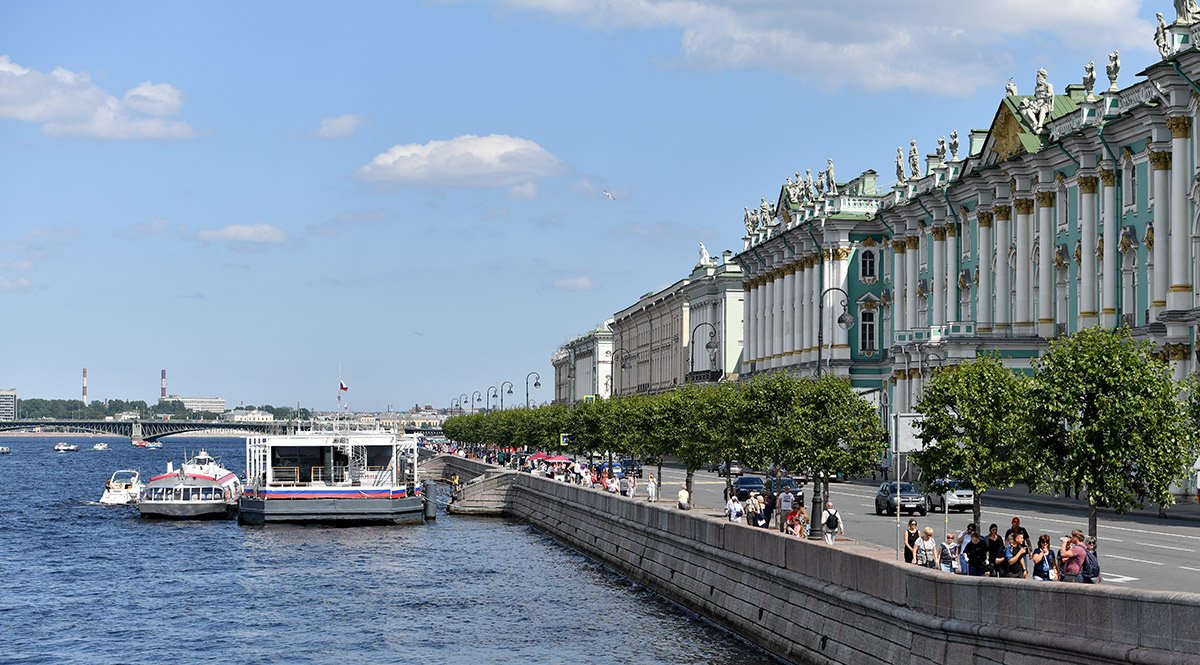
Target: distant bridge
151	430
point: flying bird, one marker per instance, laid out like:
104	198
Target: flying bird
609	195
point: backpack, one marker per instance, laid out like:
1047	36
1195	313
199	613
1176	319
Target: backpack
832	521
1091	567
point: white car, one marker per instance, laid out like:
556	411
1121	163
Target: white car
951	497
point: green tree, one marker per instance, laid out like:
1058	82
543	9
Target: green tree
773	427
1110	422
973	426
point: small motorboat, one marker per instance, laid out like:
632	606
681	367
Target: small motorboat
4	450
154	445
100	446
123	488
137	444
64	447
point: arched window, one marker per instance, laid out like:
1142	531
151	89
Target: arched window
867	264
866	332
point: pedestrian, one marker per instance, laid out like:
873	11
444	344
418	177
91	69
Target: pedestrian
632	485
1045	566
948	555
652	490
625	485
684	497
995	550
832	522
768	509
964	537
910	541
1089	573
784	503
926	549
1017	528
734	510
976	554
1073	553
753	509
1017	551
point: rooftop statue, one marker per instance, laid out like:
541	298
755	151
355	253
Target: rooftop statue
1036	111
914	159
1089	79
820	184
705	259
1114	68
1010	89
830	181
764	211
809	189
1160	36
751	221
899	165
954	144
1186	12
941	148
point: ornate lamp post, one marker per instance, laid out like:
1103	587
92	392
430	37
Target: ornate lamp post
487	401
845	321
537	383
711	346
475	400
462	399
510	387
454	404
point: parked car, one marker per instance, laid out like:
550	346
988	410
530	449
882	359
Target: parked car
632	466
776	485
744	485
947	494
910	499
732	468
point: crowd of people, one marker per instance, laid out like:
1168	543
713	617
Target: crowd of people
1014	555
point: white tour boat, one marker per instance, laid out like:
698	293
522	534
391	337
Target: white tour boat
64	447
332	477
123	488
100	446
199	489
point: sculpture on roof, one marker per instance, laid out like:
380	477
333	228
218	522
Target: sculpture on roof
830	181
819	183
793	189
1160	36
1036	111
750	220
1112	69
1089	80
899	165
941	148
705	259
954	144
765	211
1010	90
914	159
1186	12
809	189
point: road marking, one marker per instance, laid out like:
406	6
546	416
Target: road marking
1117	579
1163	547
1125	558
1194	570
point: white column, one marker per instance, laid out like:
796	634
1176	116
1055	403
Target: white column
1003	316
1046	295
798	305
1179	293
1087	259
769	320
900	394
984	316
952	273
757	317
788	302
939	276
839	273
910	283
1108	262
1023	310
747	331
815	266
1161	163
898	284
778	306
806	307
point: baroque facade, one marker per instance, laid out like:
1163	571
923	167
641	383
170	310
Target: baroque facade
583	366
1072	210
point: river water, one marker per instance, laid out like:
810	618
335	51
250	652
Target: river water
84	583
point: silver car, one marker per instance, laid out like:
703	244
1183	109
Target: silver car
947	495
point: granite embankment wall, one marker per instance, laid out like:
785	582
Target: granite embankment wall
812	603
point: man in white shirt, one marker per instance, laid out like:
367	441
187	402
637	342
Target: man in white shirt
684	497
831	522
784	505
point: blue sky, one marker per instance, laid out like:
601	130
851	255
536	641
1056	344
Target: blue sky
252	195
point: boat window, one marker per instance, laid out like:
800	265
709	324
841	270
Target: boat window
177	494
207	494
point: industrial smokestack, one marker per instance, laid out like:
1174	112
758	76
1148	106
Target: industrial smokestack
163	393
85	386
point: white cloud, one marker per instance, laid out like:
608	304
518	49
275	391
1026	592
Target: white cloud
43	241
245	237
343	126
493	160
944	47
67	103
526	190
579	283
14	284
20	265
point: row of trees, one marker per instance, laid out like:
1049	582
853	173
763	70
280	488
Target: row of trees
818	425
1100	416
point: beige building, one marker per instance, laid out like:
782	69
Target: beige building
583	366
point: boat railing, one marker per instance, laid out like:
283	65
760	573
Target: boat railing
285	474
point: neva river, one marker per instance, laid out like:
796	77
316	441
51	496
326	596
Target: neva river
84	583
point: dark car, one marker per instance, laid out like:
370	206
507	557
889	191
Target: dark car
744	485
911	499
616	469
775	487
632	467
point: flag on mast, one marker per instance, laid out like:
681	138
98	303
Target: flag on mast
342	386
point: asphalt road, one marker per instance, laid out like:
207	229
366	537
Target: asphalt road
1140	551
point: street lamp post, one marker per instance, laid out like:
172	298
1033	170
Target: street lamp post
487	399
845	321
454	403
711	346
462	399
571	380
510	387
475	400
537	383
623	356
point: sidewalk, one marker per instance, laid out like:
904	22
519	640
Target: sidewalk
1185	508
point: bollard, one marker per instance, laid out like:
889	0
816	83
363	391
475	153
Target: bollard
430	501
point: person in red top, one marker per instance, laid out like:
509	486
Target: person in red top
1073	553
